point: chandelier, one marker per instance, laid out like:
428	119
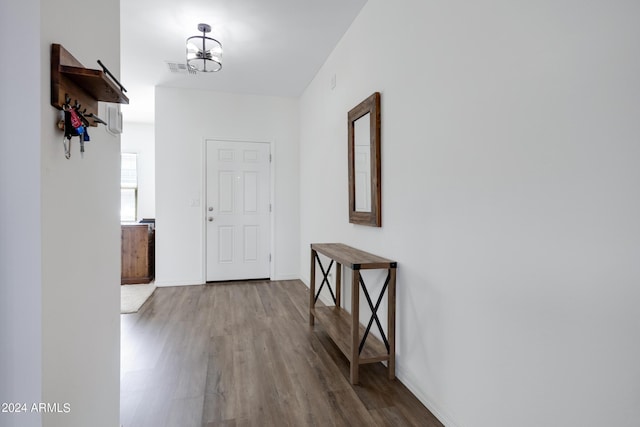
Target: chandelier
204	53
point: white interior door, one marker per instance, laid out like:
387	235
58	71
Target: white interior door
237	210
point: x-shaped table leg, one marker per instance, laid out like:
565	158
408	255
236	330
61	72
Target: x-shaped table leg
374	313
325	279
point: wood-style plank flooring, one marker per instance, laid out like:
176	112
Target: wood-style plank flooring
242	354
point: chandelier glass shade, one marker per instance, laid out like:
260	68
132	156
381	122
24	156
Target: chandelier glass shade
204	54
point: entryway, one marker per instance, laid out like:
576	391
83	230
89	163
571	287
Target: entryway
238	209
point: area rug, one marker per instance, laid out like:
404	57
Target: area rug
133	296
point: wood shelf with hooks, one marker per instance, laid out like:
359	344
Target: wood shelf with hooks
70	79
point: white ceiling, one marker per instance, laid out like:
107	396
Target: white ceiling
271	47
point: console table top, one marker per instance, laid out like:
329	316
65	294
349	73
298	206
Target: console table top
353	258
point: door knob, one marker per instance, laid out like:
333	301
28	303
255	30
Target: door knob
210	208
210	219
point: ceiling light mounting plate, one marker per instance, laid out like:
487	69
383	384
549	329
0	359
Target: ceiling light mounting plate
205	28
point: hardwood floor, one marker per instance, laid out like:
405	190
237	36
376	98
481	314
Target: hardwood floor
242	354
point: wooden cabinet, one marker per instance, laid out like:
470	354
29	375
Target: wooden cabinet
137	254
344	328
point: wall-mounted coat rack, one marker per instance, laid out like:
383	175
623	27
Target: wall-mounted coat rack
72	82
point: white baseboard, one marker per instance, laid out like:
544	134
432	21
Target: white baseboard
435	408
324	297
168	283
286	277
305	280
195	282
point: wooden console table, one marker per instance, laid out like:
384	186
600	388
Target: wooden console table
344	328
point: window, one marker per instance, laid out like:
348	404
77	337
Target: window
128	187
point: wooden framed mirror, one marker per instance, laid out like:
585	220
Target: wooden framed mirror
364	162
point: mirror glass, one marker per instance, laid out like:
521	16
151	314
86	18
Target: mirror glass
362	163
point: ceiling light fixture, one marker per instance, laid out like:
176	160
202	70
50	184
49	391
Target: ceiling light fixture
204	53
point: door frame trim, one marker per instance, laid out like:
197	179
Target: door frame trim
203	198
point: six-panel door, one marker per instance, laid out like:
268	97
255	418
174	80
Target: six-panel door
237	210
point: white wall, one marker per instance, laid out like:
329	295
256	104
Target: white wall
139	138
184	118
80	232
59	250
60	236
20	232
510	200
